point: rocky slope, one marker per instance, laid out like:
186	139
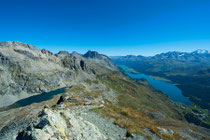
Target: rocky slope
26	70
102	103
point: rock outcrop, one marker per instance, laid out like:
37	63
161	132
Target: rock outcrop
60	124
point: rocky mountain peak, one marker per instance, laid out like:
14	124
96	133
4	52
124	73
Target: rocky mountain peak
92	54
102	59
201	51
63	54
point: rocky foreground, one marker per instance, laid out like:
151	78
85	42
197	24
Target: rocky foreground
70	116
76	122
102	103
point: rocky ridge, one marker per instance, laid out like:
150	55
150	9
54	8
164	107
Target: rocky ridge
26	70
72	118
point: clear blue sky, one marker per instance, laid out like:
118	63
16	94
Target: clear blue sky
112	27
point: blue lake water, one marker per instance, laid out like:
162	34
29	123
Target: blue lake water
174	93
35	99
40	97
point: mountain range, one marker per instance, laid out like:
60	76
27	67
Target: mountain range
85	96
190	71
196	57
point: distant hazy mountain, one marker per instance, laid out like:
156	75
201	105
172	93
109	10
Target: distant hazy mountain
174	55
200	51
166	61
190	70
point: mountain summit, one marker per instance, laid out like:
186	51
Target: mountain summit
93	54
200	51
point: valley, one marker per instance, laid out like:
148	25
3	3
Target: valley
105	70
165	87
86	96
189	71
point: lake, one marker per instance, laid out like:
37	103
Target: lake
174	93
35	99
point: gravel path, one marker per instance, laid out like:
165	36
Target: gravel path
106	126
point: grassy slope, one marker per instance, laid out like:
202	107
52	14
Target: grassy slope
191	81
136	102
139	97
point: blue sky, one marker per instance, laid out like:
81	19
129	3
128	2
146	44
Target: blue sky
112	27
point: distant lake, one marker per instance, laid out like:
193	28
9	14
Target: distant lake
167	88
